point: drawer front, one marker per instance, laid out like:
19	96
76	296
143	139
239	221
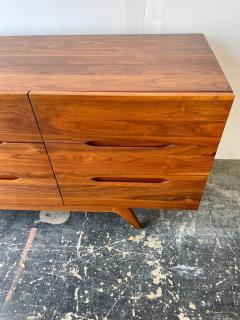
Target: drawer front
90	116
167	192
79	160
150	177
26	177
17	122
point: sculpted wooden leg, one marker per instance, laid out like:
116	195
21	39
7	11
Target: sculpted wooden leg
128	215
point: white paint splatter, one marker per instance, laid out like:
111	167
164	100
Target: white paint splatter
155	295
76	298
125	253
78	246
236	266
91	248
220	282
75	272
153	243
138	237
180	234
181	316
157	274
53	217
176	297
37	317
85	268
232	195
203	304
35	280
192	306
71	316
135	298
133	312
9	270
188	271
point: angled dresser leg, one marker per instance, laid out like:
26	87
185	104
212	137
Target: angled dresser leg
128	215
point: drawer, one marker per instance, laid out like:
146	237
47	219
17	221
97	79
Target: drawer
17	122
92	115
26	177
164	192
81	159
110	173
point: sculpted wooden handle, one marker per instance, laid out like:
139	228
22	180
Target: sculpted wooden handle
127	144
8	178
130	180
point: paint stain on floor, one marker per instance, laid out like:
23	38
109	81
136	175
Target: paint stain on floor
53	217
183	265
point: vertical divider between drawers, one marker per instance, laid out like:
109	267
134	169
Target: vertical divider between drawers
59	190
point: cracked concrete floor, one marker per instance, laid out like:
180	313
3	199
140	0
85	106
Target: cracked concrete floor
183	265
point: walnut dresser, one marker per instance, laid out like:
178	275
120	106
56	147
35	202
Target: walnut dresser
108	123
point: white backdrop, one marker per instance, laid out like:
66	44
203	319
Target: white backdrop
218	19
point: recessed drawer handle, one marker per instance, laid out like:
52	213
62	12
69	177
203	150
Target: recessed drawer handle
8	178
130	180
120	144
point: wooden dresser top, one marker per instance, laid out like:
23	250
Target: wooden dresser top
113	63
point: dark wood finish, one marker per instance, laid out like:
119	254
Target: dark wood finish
17	122
110	63
63	117
129	216
26	178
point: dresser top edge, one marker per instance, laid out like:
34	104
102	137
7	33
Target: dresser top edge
134	63
171	95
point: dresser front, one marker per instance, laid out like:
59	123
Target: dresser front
132	149
26	176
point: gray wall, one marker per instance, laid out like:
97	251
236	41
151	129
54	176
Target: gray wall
218	19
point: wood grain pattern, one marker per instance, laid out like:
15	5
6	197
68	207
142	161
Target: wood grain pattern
26	178
124	106
63	117
130	177
128	121
174	193
174	144
166	146
17	122
61	207
76	160
127	63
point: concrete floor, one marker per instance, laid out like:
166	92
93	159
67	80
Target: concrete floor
183	265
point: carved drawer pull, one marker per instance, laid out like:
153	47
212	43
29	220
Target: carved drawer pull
127	144
130	180
8	178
